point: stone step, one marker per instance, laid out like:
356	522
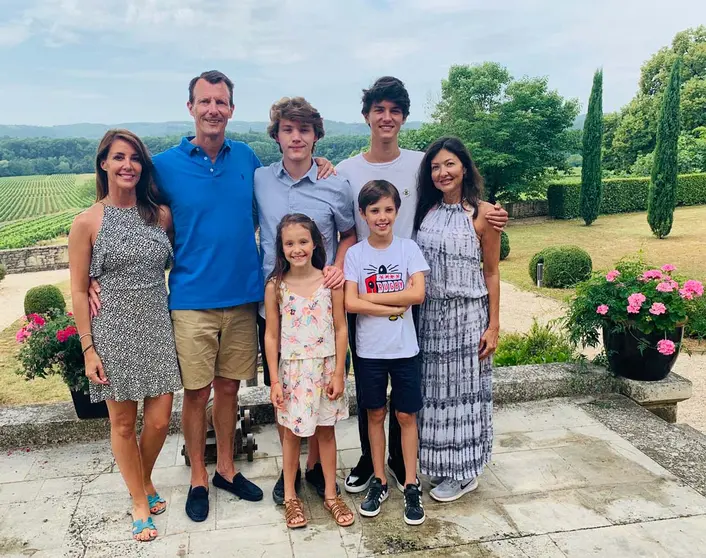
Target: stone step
34	425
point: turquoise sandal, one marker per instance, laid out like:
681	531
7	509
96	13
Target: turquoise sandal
139	525
155	499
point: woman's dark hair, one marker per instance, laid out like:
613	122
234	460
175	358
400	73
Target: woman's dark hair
148	197
318	258
428	195
374	190
386	88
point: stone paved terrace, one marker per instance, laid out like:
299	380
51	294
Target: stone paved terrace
569	478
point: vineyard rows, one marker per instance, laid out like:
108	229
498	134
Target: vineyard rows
31	196
26	233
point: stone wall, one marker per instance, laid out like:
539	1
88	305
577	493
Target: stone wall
520	210
39	258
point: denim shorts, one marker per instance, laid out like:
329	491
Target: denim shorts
405	376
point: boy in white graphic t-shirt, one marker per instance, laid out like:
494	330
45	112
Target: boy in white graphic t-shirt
384	278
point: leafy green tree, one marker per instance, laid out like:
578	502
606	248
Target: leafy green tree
591	184
663	186
515	129
636	132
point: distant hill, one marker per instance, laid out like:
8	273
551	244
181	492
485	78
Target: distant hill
144	129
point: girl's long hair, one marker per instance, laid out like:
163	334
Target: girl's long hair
318	258
148	197
429	195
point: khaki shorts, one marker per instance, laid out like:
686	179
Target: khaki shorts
221	342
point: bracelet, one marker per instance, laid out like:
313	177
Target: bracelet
273	384
84	335
84	351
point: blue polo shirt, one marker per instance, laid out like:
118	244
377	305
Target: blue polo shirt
216	260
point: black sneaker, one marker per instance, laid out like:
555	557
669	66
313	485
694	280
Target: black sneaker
413	508
377	494
278	490
399	475
360	476
315	477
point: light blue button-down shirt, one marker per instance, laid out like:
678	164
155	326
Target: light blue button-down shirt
329	202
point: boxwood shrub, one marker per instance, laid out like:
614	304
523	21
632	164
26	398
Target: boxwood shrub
504	245
623	195
43	298
564	266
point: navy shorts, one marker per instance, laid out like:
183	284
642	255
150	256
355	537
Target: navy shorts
405	376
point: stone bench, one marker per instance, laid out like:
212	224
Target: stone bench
33	425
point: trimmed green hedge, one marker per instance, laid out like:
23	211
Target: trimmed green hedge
623	195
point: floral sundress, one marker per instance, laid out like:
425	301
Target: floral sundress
308	362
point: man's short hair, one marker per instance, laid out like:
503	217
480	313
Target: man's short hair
386	88
297	109
373	191
212	77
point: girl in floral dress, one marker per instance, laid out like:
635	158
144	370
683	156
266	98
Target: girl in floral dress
306	332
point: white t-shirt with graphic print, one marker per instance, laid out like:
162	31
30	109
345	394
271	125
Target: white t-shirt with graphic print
383	271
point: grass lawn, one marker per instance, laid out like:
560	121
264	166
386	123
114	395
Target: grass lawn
14	389
608	239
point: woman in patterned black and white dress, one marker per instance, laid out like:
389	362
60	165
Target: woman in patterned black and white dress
458	321
123	242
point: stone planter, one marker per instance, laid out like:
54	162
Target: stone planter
627	360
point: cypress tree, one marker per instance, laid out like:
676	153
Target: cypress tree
663	186
591	185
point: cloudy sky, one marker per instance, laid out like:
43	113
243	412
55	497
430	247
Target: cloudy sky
111	61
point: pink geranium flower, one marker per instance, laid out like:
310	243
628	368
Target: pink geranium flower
612	275
666	286
636	299
22	334
666	347
658	308
686	295
602	309
36	320
668	268
651	274
633	309
694	287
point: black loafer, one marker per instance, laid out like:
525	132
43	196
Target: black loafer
197	503
241	487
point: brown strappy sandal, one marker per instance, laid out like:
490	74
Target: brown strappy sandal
293	510
338	509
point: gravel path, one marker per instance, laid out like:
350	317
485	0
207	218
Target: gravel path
517	310
14	287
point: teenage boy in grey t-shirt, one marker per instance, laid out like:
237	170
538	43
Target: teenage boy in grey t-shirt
385	108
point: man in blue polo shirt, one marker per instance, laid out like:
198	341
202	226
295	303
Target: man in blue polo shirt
216	283
291	186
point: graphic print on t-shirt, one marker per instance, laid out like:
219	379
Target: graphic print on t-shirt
384	279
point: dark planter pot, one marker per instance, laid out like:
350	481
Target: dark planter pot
626	359
87	410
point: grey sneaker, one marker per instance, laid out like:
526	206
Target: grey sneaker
451	490
436	481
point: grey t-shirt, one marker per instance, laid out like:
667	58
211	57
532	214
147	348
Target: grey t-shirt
402	173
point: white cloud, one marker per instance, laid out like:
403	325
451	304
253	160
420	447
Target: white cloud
330	49
15	33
